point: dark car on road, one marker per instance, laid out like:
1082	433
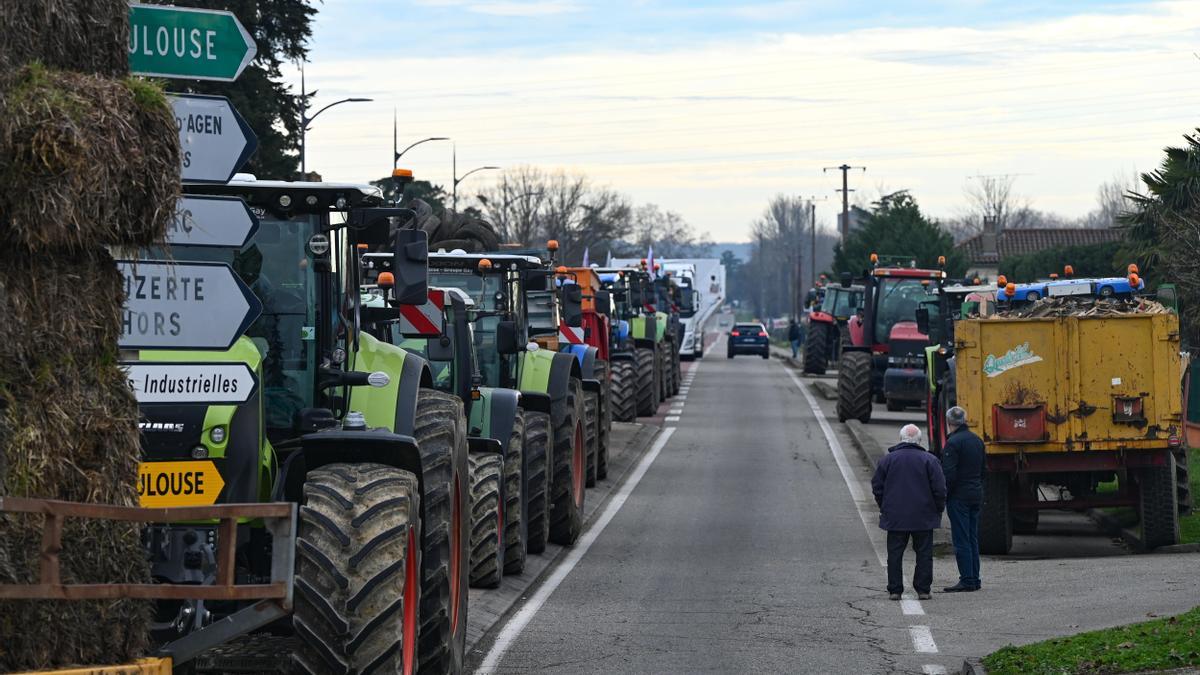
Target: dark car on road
749	338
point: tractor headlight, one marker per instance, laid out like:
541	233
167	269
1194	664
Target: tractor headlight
199	452
217	435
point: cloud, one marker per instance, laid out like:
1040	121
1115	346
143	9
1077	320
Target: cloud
515	8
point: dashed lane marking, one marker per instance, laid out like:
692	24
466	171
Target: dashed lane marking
512	629
933	669
922	640
671	418
911	607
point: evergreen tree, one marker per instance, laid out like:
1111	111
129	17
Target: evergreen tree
899	233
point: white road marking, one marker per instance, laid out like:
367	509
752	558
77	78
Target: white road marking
671	418
911	607
835	446
512	630
933	669
922	640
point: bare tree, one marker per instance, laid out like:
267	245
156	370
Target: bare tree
668	232
1112	199
992	197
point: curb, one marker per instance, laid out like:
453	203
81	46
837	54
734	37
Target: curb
973	667
866	445
824	389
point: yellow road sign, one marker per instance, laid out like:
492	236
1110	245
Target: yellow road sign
178	483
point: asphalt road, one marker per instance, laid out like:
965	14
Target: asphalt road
736	546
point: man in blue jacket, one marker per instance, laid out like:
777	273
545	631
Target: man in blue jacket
911	493
964	467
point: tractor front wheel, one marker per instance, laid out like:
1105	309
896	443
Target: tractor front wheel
816	349
647	384
570	449
538	454
624	390
487	520
854	387
514	515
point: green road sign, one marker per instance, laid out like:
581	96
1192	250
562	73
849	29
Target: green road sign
180	42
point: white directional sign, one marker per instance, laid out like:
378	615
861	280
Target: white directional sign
212	383
184	306
214	140
203	220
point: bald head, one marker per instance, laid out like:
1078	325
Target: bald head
910	433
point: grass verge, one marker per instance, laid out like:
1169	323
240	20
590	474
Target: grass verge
1153	645
1189	525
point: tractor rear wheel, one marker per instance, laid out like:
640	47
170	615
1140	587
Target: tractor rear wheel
358	614
570	465
624	390
677	368
663	366
440	432
816	349
591	416
647	381
995	516
854	387
538	449
1157	504
514	515
487	520
606	418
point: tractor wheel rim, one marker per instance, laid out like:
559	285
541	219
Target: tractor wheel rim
455	553
577	465
409	649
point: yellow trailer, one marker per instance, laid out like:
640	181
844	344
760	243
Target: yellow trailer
1072	401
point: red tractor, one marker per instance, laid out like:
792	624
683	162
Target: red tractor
829	326
885	361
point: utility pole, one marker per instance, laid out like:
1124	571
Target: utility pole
845	169
812	251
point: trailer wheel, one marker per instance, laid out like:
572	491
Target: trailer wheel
591	416
647	381
854	387
606	418
816	349
624	391
995	517
1157	504
514	515
570	450
440	432
357	614
537	447
487	520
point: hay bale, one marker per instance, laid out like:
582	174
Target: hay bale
84	161
89	36
69	430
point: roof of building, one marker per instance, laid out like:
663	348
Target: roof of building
1022	241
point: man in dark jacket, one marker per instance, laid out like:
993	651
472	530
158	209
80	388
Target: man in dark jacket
963	465
911	493
796	337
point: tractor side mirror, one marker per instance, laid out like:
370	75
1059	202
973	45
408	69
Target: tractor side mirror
506	338
439	349
571	296
410	267
536	280
845	278
636	297
604	302
923	320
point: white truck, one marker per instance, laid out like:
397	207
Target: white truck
704	276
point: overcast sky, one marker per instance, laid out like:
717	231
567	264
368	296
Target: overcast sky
710	108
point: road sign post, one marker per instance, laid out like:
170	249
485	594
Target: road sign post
214	140
210	220
184	306
186	43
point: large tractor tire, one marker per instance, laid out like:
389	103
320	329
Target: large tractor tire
358	563
538	447
677	371
570	466
487	520
854	387
440	431
606	418
664	378
591	416
514	515
623	390
1025	521
816	349
1157	504
995	516
647	382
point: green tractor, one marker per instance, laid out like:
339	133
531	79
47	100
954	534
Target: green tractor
515	324
634	354
346	426
442	331
666	294
652	342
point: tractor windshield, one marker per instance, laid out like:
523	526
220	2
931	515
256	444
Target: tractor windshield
897	300
484	291
841	303
276	265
